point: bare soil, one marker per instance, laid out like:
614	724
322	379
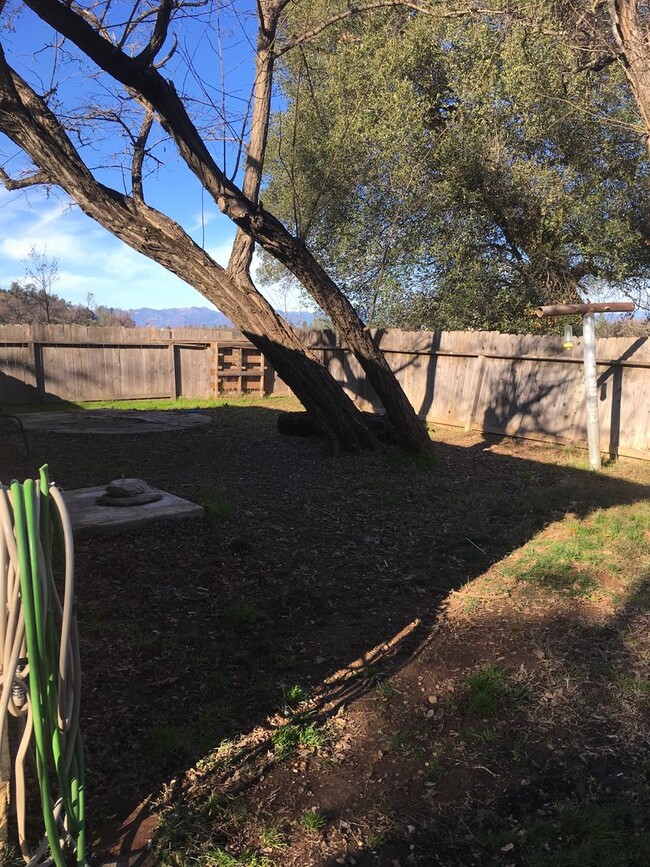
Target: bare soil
373	582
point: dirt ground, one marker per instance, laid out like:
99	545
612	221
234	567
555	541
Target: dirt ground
334	667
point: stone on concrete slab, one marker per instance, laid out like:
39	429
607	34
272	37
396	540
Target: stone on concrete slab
90	518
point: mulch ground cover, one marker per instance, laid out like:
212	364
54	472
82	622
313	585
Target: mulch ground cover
341	665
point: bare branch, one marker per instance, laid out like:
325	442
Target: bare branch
159	35
139	151
35	180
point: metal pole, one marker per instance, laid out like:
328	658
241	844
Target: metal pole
591	389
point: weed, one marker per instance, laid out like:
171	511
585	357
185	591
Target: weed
376	841
313	821
433	770
287	739
385	691
590	835
483	738
273	838
404	744
294	696
485	689
163	742
218	857
216	502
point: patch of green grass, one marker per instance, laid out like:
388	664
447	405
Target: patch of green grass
580	553
273	838
216	502
294	696
386	692
404	744
218	857
485	690
424	461
313	821
590	835
288	738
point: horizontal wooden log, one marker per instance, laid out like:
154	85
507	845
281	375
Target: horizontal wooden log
600	307
300	424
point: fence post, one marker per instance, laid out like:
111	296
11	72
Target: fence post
173	373
591	389
475	391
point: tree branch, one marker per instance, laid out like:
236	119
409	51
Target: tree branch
35	180
139	150
159	35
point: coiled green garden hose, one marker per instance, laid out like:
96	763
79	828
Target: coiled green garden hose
40	666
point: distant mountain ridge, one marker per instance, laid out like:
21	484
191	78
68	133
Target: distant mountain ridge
198	317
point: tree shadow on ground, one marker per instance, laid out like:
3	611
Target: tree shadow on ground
578	788
331	574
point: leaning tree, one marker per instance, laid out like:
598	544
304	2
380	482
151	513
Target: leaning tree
135	55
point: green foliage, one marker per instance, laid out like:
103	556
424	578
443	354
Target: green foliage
571	560
457	173
590	835
485	689
288	738
294	696
216	502
313	821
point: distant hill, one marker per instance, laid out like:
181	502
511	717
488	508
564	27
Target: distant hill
198	317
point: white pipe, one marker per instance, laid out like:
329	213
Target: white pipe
591	389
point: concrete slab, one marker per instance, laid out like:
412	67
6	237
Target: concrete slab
113	421
89	519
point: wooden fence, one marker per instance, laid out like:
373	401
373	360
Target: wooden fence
517	385
72	362
505	384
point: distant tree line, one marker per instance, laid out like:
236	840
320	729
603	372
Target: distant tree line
25	305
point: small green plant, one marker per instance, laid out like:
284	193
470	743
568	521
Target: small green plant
376	841
313	821
273	838
294	696
385	693
218	857
163	742
485	689
433	771
288	738
403	743
216	502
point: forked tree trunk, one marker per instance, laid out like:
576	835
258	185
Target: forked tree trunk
140	76
27	121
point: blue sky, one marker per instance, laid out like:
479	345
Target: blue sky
90	260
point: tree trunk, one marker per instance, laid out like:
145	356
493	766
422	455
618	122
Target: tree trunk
631	37
27	121
143	78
